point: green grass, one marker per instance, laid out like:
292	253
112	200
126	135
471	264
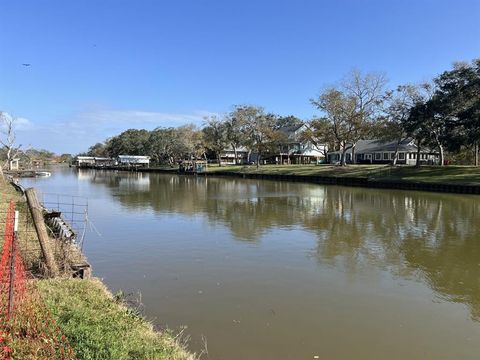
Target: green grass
100	327
468	175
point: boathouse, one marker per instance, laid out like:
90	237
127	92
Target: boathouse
134	160
84	161
104	161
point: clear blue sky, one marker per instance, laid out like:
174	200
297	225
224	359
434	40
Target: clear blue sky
100	67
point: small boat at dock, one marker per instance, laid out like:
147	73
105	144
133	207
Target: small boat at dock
42	173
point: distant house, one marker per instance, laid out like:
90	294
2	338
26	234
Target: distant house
84	161
228	156
296	150
104	161
379	152
14	164
37	163
133	160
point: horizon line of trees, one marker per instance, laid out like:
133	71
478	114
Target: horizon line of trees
247	126
442	115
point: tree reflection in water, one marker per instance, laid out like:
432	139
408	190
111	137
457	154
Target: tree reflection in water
428	236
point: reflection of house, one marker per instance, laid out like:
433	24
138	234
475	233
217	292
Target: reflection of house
139	182
296	150
133	160
228	156
82	161
378	152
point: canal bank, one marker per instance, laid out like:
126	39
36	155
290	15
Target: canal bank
451	179
97	324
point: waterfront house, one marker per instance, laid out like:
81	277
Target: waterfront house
381	152
104	161
294	149
228	156
297	150
84	161
133	160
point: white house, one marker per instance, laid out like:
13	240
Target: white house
133	160
297	150
228	156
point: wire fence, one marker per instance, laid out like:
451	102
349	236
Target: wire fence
71	210
27	328
65	251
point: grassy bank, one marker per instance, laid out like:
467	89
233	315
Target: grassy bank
466	175
102	327
97	325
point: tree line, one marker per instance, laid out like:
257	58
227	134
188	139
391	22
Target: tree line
442	115
246	126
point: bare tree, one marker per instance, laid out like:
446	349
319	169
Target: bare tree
351	109
7	140
340	119
367	91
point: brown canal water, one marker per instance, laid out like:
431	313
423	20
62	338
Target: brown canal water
278	270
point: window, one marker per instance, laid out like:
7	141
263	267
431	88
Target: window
392	155
378	156
385	156
401	156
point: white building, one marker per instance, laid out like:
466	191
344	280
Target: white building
82	161
298	150
133	160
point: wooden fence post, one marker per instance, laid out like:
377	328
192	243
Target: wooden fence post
40	228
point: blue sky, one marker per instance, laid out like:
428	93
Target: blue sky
100	67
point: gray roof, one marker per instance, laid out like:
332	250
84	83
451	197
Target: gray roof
291	128
366	145
376	145
392	145
291	131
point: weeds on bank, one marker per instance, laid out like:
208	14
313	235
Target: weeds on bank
100	326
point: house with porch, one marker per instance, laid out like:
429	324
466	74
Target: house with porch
381	152
228	156
296	149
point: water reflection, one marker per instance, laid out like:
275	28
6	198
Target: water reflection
427	236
